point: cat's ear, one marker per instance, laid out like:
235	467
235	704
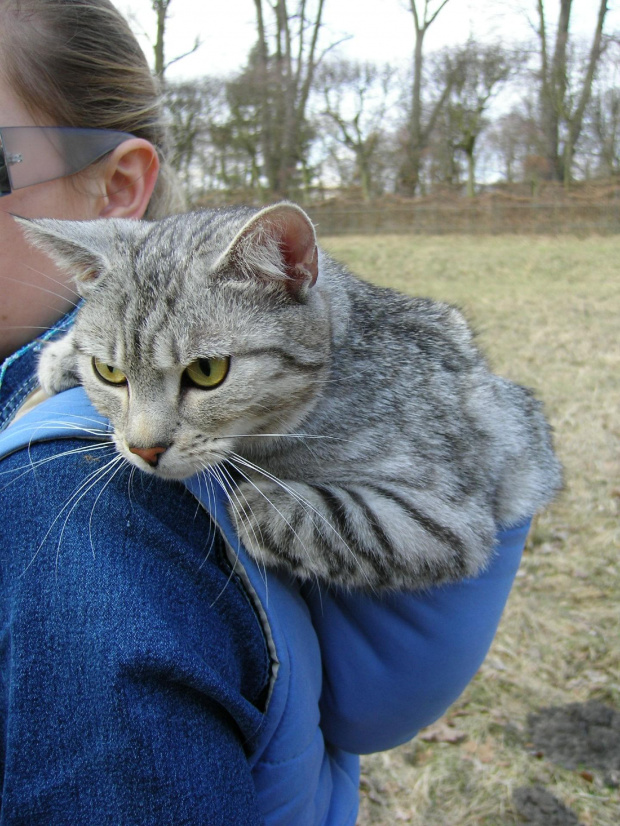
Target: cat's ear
278	243
81	248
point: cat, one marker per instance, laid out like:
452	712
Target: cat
370	444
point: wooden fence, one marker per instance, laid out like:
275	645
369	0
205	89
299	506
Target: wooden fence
485	216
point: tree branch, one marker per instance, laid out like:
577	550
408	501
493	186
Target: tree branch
195	47
433	17
586	89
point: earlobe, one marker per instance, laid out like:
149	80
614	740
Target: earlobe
130	176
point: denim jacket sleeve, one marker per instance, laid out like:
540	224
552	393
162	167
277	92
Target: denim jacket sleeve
393	665
128	693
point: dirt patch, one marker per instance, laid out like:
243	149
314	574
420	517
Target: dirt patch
579	736
539	807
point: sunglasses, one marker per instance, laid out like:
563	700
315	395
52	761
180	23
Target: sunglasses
36	154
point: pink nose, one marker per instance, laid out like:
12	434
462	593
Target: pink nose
149	454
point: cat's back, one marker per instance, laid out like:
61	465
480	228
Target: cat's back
400	337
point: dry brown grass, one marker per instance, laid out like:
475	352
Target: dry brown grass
548	315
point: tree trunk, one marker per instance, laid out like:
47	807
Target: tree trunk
410	174
160	7
557	120
286	74
471	173
576	121
419	133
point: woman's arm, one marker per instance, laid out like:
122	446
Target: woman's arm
131	664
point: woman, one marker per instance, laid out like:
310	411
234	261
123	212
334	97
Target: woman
150	675
73	654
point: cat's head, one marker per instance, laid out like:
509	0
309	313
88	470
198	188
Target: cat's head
200	333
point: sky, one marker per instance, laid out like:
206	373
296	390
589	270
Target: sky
378	30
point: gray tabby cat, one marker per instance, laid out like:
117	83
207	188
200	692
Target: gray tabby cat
371	445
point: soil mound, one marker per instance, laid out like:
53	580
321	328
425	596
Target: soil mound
579	735
539	807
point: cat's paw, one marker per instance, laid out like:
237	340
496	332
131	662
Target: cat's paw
57	368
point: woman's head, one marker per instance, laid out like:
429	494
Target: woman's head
73	63
77	63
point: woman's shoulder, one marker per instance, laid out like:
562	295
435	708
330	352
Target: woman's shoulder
73	508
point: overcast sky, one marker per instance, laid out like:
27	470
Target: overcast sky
380	30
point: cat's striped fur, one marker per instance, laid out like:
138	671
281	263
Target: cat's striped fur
370	445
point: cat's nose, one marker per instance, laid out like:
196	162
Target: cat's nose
149	454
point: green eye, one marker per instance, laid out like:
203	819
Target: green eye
109	374
207	373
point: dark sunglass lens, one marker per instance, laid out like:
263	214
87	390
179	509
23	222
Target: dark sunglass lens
5	184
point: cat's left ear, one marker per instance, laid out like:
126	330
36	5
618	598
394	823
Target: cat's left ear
278	243
84	249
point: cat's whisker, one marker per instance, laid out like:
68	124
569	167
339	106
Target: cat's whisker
112	474
69	423
32	466
23	326
71	502
210	494
201	476
94	431
130	479
98	436
66	285
235	459
41	289
209	481
233	493
300	436
221	474
308	506
214	472
108	470
77	496
86	449
239	516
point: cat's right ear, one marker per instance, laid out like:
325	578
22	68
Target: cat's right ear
81	248
278	243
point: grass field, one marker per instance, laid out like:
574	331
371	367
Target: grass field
547	311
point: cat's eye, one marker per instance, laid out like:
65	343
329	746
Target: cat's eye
109	373
207	373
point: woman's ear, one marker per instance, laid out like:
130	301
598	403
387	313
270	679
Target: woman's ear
130	174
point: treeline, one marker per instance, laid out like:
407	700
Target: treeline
299	120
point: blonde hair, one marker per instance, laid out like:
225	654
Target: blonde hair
78	63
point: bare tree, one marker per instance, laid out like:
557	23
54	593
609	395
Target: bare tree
242	133
474	72
356	97
161	8
424	13
601	140
562	108
512	138
195	110
284	63
606	126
